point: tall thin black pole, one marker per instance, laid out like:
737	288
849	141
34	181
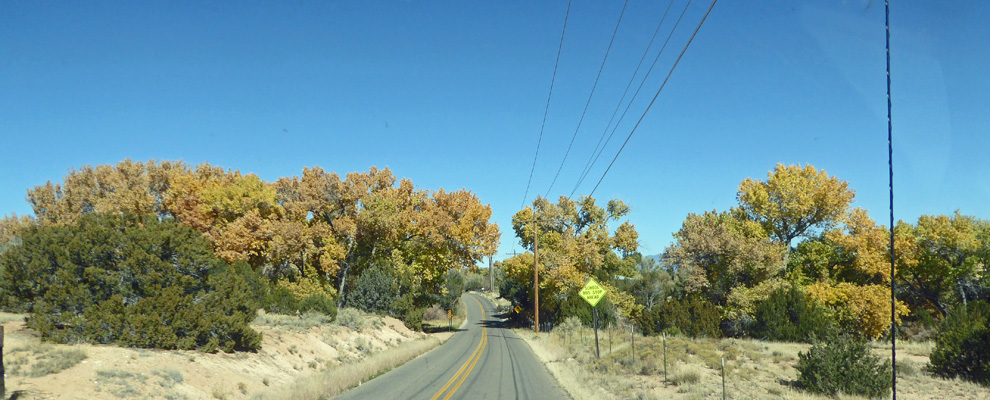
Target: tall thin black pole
890	169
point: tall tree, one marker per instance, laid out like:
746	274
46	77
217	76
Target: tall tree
730	261
795	201
575	243
949	258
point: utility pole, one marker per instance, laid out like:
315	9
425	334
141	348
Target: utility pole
491	274
536	271
536	276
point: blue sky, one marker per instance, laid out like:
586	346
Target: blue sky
452	94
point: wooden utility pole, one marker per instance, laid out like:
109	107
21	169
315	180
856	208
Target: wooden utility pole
491	275
536	276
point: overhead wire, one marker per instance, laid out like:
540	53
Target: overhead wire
633	99
631	132
590	96
547	110
632	79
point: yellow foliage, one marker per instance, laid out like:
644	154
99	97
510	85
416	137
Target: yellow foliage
866	308
743	300
310	283
868	242
795	199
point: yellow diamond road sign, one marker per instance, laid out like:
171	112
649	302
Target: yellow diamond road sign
592	292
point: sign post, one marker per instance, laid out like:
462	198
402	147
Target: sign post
593	293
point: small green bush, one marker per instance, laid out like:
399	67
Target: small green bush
351	318
790	316
843	363
374	290
56	361
280	300
694	316
319	303
962	345
406	309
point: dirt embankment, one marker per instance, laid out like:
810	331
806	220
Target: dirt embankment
293	348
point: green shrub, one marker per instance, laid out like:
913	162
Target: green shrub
406	309
56	361
454	285
280	300
650	321
475	282
374	290
319	303
351	318
962	344
132	282
790	316
413	318
694	316
843	363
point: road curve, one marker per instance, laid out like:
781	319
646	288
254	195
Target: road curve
484	360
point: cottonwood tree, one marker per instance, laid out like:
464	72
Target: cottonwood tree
730	261
795	201
575	243
949	258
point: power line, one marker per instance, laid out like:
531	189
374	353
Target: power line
632	78
590	95
695	33
547	110
635	95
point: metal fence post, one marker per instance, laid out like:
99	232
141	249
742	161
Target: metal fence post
3	385
665	359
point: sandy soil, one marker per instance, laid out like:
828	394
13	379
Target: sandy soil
288	352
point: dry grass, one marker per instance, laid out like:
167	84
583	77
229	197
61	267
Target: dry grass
753	369
7	317
41	360
334	382
300	323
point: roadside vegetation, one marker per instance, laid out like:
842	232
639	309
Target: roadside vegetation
793	262
164	255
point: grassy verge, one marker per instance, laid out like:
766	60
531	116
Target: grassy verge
338	380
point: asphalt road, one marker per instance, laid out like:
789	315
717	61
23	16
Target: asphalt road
483	360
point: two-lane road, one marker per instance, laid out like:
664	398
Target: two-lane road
482	361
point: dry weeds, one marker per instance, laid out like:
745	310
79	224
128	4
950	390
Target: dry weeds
294	348
753	369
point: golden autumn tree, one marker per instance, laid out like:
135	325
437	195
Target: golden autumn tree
311	234
127	187
945	259
731	261
575	243
794	201
366	219
851	268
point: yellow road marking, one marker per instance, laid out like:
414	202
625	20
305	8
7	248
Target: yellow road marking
465	369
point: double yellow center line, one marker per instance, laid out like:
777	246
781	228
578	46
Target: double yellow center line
465	370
